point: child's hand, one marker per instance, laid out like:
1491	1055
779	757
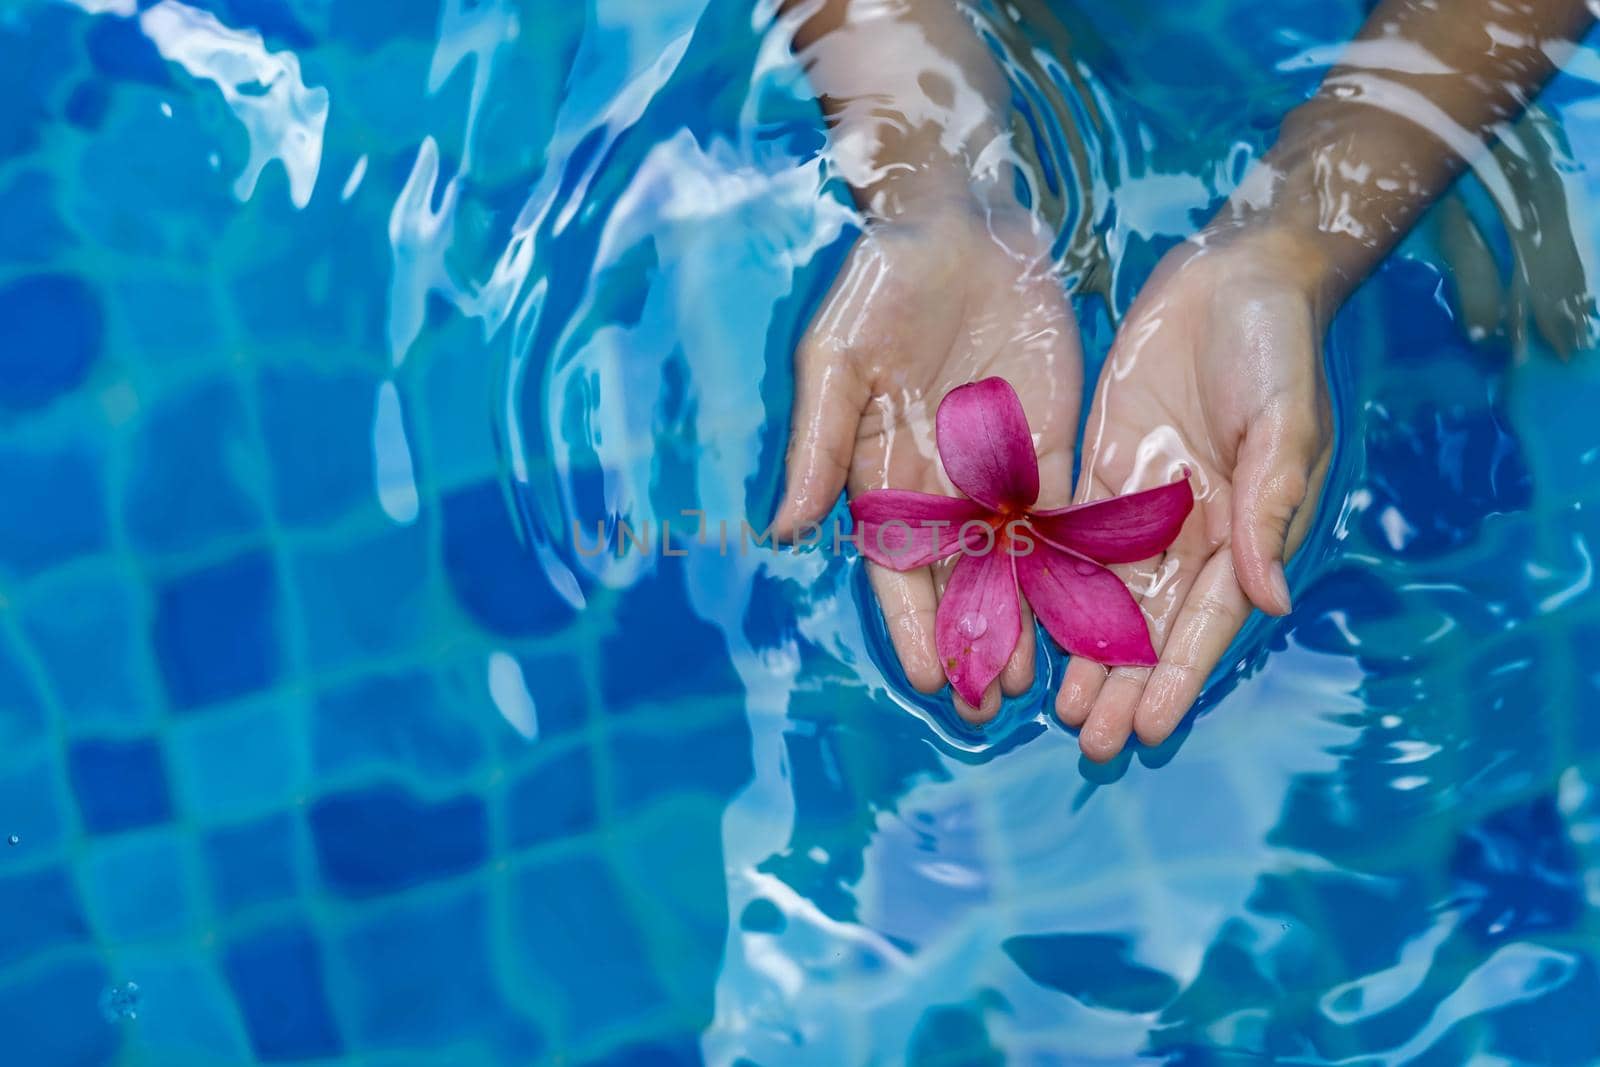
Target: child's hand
1218	366
948	292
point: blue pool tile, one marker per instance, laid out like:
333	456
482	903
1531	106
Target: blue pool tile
216	631
369	28
191	463
713	759
253	863
22	709
87	636
55	506
277	979
682	1051
121	52
186	1013
552	800
168	319
389	1001
364	599
560	694
578	945
318	432
385	839
49	1016
86	107
41	911
31	807
239	763
53	327
31	230
694	663
394	721
120	784
138	886
1518	868
497	580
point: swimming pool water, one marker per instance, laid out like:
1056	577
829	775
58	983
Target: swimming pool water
320	741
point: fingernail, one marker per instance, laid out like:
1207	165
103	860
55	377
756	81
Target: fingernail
1280	588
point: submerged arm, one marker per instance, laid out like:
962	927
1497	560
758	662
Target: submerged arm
915	101
1412	102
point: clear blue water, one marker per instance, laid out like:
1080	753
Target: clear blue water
321	322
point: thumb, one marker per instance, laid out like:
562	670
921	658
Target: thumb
829	397
1270	484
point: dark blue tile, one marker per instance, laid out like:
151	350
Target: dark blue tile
496	577
86	634
682	1051
253	863
402	722
318	432
190	465
49	1018
1096	969
560	693
54	506
712	760
120	785
216	632
1520	872
273	19
86	107
364	599
579	946
694	663
120	51
32	808
393	1003
39	910
384	839
139	886
277	980
53	327
552	800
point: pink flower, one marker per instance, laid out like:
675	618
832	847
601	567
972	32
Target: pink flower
1055	556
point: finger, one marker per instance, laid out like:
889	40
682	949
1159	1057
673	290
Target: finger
1080	685
908	604
829	399
1212	614
983	713
1110	721
1271	481
1017	675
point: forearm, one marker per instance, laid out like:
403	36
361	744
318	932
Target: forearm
915	101
1413	102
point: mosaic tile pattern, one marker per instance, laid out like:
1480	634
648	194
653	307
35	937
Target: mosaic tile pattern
288	778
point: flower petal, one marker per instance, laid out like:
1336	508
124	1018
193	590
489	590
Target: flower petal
978	623
903	530
986	446
1085	607
1120	529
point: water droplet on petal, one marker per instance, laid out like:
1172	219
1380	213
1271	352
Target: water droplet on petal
1100	643
1084	567
972	625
